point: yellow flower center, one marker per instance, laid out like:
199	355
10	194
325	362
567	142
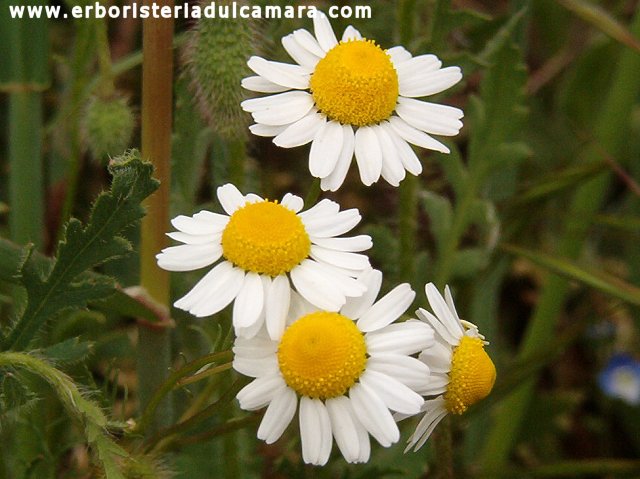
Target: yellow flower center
355	83
322	355
471	377
265	238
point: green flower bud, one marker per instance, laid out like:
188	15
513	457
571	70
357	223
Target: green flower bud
216	61
108	126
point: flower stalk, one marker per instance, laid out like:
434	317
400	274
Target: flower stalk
154	347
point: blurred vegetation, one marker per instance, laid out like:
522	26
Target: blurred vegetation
534	219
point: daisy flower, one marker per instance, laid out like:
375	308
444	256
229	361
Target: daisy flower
345	371
262	249
461	371
352	97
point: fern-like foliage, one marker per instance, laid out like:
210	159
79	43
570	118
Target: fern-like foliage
59	287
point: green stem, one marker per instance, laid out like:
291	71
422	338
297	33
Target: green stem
408	226
313	194
460	222
25	159
610	133
154	344
171	382
237	160
166	437
229	426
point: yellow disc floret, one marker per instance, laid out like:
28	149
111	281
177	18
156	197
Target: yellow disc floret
265	238
471	377
355	83
322	355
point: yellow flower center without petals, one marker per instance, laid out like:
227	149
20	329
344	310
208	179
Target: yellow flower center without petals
471	377
355	83
266	238
322	355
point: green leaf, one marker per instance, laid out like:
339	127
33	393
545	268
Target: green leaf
71	351
440	213
87	412
603	21
54	288
599	280
13	257
497	115
468	262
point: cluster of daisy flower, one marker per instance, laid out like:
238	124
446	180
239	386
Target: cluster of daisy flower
310	328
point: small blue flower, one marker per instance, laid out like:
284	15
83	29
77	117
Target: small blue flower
621	378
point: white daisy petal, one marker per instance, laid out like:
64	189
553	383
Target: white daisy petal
194	226
267	130
350	33
256	367
327	226
277	305
204	286
293	202
438	325
334	180
259	392
186	238
395	395
291	107
368	155
339	277
291	76
356	307
261	85
442	311
308	41
430	117
315	287
345	427
398	55
230	198
435	412
352	244
278	415
392	170
188	257
224	288
401	338
374	415
216	220
452	307
341	259
254	348
438	356
417	65
437	384
325	149
407	156
387	309
409	371
323	208
428	82
300	132
415	136
315	431
301	55
324	33
249	302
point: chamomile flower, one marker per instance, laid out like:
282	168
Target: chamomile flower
262	249
344	371
352	98
462	373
